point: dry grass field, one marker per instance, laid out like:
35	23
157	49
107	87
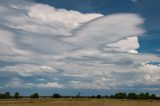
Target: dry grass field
78	102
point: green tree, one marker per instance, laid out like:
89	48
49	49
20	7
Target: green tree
78	95
153	96
132	96
120	95
93	96
141	96
106	96
16	95
111	96
56	95
147	95
98	96
7	95
2	96
35	95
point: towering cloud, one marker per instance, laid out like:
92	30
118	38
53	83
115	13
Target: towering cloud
45	47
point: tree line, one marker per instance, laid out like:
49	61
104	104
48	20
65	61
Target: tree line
119	95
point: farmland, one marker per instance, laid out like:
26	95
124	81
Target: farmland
77	102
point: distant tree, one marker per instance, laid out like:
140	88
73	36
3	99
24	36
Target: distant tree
56	95
147	95
2	96
98	96
120	95
78	94
111	96
132	96
141	96
7	95
35	95
106	96
93	96
16	95
153	96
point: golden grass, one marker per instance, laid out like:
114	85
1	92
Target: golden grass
78	102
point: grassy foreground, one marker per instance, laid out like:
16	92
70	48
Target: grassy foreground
78	102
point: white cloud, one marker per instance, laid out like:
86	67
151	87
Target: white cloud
50	21
14	82
125	45
151	68
69	18
39	24
93	34
112	77
88	85
108	56
107	29
46	68
18	83
50	85
26	70
133	51
89	51
6	38
115	70
7	45
152	73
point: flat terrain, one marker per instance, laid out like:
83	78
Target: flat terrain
78	102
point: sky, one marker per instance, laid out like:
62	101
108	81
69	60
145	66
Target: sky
87	46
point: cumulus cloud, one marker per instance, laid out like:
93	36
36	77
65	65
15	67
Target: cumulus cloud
51	21
89	51
50	85
114	70
14	82
125	45
88	85
152	73
18	83
28	69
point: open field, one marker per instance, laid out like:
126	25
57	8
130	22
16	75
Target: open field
78	102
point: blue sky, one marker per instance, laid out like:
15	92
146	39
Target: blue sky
87	46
